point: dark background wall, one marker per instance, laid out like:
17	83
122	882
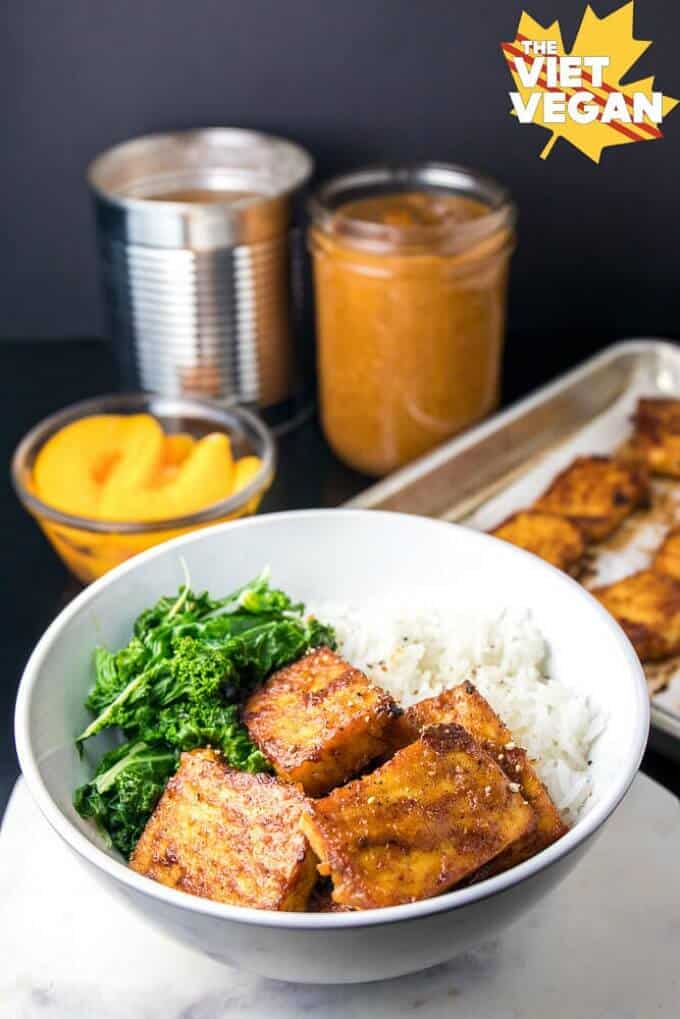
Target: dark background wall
354	81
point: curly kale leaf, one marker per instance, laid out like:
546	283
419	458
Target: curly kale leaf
189	726
189	704
191	666
194	615
178	686
124	790
113	672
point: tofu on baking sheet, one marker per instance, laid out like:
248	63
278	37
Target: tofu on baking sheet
667	558
647	606
656	436
319	721
553	538
464	705
433	814
596	493
229	836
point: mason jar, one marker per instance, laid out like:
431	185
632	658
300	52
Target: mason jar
410	273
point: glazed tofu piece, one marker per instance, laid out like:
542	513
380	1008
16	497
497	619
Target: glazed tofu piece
432	815
647	606
229	836
463	705
553	538
319	721
667	558
656	439
596	494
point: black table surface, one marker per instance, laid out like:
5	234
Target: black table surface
37	378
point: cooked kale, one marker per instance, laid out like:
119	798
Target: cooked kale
125	789
178	685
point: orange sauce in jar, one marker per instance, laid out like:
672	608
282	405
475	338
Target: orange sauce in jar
410	296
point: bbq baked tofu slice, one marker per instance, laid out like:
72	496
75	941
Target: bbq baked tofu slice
415	827
229	836
463	705
647	606
553	538
667	558
596	494
656	439
319	721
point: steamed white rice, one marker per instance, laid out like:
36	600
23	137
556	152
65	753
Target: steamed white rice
417	653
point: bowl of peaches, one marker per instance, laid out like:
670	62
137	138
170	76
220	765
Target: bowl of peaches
110	477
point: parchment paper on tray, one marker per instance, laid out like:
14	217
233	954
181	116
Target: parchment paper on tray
632	546
501	466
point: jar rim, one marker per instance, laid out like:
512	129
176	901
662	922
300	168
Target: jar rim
448	235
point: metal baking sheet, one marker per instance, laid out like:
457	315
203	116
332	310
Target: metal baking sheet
502	465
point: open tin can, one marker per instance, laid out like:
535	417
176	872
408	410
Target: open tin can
201	259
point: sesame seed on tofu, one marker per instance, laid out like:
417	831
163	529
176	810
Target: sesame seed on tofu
229	836
419	824
319	721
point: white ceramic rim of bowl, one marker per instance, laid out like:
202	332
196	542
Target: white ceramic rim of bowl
582	830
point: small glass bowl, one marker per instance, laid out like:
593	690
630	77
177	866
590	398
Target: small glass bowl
90	547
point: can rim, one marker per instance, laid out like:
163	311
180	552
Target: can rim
140	146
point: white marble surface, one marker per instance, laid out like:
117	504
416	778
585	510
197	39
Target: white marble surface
606	944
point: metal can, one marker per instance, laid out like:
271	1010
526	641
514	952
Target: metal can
201	261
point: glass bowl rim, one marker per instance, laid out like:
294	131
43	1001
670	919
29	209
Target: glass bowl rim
122	402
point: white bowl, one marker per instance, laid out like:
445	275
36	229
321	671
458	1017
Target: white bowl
346	555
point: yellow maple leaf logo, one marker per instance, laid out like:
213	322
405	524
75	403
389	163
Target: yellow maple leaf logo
610	37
